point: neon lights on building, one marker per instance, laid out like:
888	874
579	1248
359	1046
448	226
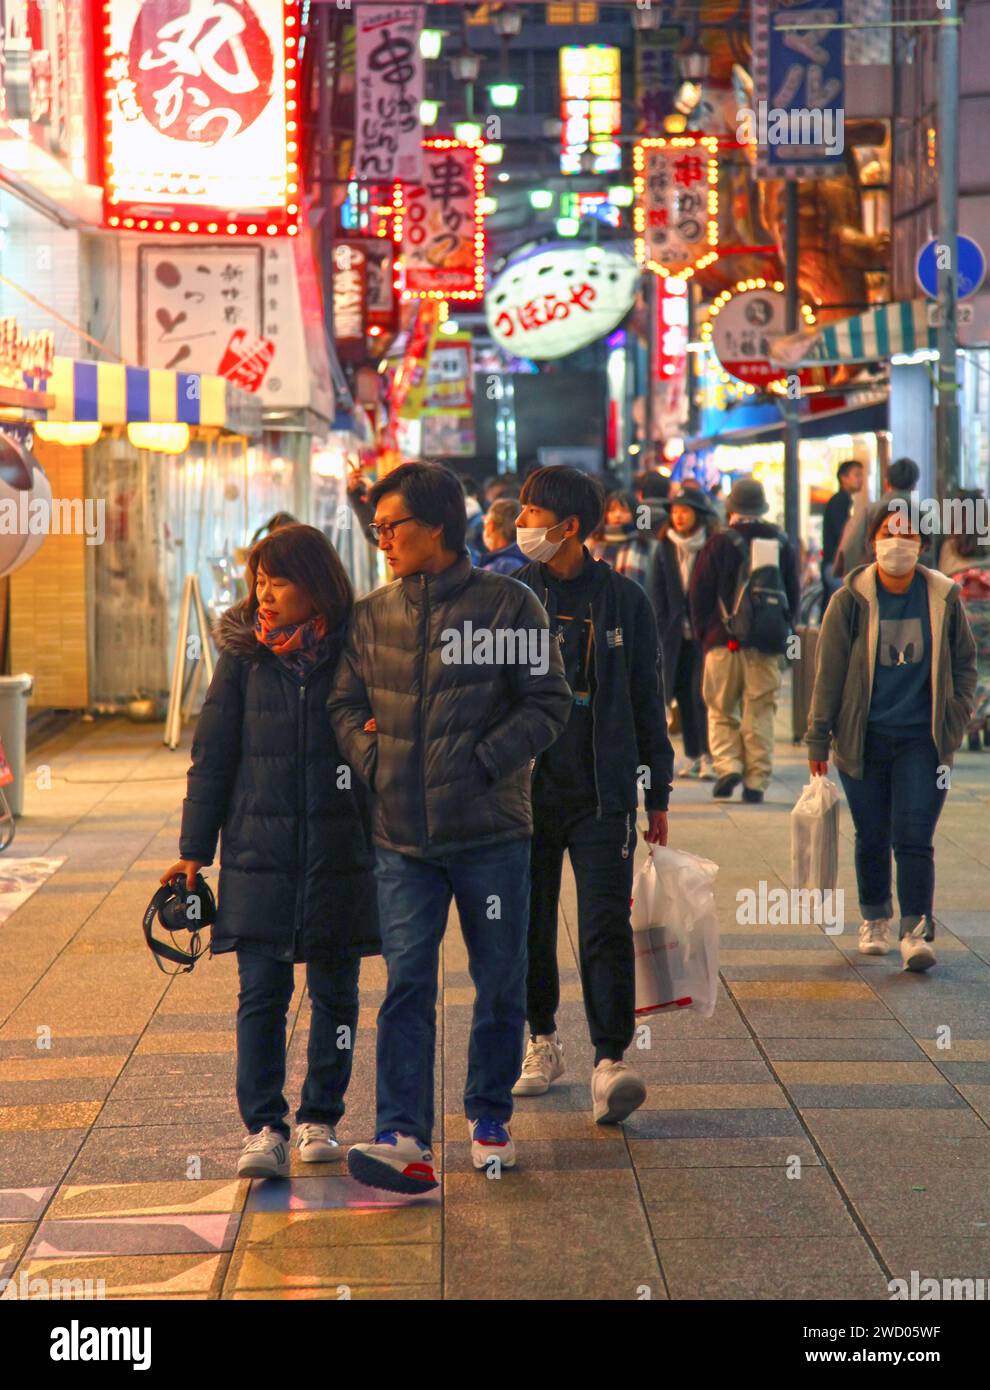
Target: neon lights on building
676	212
439	227
591	107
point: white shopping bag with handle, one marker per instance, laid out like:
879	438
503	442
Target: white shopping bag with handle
815	837
675	932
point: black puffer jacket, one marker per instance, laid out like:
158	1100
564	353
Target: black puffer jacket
449	765
296	857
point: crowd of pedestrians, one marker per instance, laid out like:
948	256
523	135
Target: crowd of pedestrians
504	700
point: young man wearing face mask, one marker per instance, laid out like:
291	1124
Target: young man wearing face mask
585	786
894	684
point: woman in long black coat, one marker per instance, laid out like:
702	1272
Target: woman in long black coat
692	519
296	880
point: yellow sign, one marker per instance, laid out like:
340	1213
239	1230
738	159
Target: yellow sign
24	354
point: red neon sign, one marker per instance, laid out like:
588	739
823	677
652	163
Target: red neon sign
439	227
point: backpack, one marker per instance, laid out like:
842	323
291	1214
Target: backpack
760	616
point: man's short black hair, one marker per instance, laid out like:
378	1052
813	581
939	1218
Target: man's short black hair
468	484
433	495
846	467
566	492
652	484
903	475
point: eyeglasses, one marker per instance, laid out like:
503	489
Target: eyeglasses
386	530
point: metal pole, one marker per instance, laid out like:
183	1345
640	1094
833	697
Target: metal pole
649	400
947	405
325	90
792	433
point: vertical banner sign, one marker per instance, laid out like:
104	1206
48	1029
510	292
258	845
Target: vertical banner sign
676	212
202	115
439	227
798	119
389	92
670	367
656	76
448	410
350	281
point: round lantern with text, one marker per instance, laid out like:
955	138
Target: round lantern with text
742	324
25	505
558	298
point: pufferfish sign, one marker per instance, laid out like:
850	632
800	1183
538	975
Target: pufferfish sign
558	298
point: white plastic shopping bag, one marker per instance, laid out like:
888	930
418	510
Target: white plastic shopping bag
815	837
675	932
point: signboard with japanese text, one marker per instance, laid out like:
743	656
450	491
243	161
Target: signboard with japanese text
798	88
350	280
657	77
202	129
741	328
670	364
389	91
559	298
25	358
232	311
448	407
45	63
440	229
676	211
591	107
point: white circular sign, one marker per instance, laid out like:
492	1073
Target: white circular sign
560	298
742	331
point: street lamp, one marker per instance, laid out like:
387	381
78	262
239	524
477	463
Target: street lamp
694	66
465	65
648	18
507	22
504	94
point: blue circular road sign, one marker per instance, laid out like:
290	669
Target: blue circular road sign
972	267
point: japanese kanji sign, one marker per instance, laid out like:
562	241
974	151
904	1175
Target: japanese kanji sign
798	88
741	325
440	230
676	211
389	91
350	280
202	129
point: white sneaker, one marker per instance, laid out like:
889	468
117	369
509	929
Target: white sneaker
317	1143
691	767
874	937
543	1064
491	1139
707	773
265	1155
616	1091
916	952
394	1162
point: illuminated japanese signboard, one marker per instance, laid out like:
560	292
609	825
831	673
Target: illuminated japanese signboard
742	325
202	128
676	212
438	225
591	107
389	90
672	328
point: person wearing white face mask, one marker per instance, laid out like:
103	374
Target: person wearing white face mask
894	684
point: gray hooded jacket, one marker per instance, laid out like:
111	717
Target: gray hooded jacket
847	647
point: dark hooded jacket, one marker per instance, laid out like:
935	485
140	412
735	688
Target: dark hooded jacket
295	857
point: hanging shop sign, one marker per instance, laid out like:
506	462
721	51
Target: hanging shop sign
560	298
591	107
448	407
45	64
742	324
389	92
656	75
232	311
202	116
26	359
350	281
439	227
672	329
676	211
798	116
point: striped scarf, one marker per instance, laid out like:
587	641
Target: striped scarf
299	645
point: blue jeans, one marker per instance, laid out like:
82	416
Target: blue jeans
263	1003
896	804
490	886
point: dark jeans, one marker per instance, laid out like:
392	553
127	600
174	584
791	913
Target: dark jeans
490	886
263	1003
896	804
602	859
686	690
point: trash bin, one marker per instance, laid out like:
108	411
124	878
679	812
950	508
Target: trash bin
14	692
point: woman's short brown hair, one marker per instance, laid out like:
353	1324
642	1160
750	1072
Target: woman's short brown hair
303	555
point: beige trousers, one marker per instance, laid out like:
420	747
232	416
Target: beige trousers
740	690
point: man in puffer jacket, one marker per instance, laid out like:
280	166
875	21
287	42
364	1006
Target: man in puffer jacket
447	690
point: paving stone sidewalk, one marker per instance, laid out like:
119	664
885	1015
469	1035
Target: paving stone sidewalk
813	1139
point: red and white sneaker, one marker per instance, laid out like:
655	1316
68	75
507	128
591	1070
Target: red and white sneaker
491	1139
394	1163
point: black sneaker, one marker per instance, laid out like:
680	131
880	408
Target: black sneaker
752	794
726	785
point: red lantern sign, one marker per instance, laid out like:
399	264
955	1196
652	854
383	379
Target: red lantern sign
202	127
439	225
676	212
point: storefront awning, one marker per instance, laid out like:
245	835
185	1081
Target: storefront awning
871	337
117	395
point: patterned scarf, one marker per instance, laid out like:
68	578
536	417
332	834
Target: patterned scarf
299	645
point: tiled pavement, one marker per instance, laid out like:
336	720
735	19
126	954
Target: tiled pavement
814	1138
